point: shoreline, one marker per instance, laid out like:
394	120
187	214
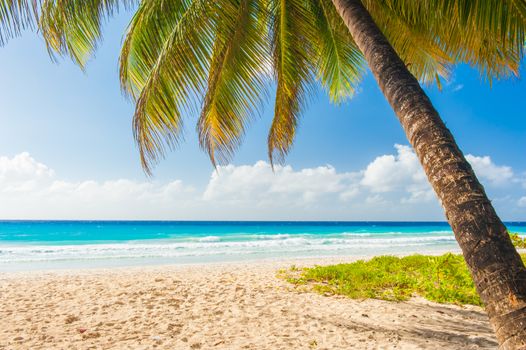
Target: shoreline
278	262
218	306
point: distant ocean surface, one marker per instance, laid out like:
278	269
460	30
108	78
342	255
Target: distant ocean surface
34	245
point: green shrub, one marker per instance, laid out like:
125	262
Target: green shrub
518	241
443	279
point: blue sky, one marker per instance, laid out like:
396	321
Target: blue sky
77	125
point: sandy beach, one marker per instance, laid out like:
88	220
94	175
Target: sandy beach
219	306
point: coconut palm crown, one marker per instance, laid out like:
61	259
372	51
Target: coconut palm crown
219	59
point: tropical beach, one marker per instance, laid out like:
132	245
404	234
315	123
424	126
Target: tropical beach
354	175
219	306
53	297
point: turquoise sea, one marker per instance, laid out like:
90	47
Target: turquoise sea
31	245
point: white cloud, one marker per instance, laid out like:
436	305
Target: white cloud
22	165
246	182
400	172
29	189
389	172
486	170
391	187
22	173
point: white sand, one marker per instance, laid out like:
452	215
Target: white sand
220	306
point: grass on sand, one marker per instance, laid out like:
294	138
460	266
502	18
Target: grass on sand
443	279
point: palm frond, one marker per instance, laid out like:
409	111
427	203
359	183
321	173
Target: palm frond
292	37
176	80
340	64
418	48
488	35
15	16
179	53
145	38
236	79
520	6
73	27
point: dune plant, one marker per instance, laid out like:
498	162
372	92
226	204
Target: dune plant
443	279
518	241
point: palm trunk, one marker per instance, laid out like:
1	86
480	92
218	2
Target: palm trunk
496	267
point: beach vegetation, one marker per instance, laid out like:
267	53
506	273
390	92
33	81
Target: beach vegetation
518	241
442	279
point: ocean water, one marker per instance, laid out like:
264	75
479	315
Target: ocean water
34	245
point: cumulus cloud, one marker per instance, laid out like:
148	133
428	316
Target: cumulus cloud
488	171
389	172
246	182
399	172
22	173
30	189
391	187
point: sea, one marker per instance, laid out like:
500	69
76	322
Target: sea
42	245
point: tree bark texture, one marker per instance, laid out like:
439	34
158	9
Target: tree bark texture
496	267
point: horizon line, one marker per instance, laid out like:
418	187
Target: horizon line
239	221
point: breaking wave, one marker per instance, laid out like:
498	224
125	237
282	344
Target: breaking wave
277	245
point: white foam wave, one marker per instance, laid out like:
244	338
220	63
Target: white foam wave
212	245
209	239
274	236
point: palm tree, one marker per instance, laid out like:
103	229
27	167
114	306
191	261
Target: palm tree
219	57
496	267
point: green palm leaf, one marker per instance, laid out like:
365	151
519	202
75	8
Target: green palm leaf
340	63
179	53
145	38
73	27
425	57
292	37
236	79
15	16
488	35
175	82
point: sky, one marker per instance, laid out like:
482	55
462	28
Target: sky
67	150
